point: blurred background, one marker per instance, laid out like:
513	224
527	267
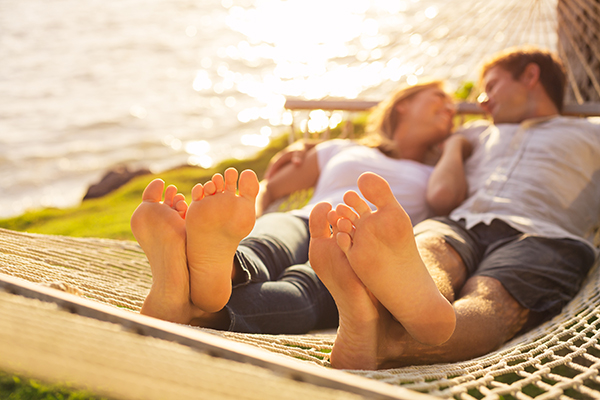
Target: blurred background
87	85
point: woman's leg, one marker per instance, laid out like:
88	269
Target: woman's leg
218	218
159	227
276	290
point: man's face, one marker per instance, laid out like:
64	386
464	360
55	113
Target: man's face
507	98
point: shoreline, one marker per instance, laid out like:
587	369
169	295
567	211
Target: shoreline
108	215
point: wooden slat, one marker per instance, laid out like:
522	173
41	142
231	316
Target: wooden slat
329	105
584	110
211	344
359	105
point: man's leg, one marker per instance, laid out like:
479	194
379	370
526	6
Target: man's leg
486	314
384	255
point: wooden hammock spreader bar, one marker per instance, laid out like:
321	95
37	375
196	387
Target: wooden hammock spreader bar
584	110
209	344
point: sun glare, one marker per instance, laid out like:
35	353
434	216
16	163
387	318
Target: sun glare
309	49
309	42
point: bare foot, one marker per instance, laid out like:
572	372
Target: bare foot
356	344
159	228
217	220
381	249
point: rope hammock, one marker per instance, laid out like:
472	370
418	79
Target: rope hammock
444	46
561	358
451	40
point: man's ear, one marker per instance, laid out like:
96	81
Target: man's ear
530	75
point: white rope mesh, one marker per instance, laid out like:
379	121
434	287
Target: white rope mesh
450	39
560	359
579	48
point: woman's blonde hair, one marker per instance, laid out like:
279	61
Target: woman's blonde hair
384	117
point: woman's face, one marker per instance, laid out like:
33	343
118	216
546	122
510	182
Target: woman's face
432	110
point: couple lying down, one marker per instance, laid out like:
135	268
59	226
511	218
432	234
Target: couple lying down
525	192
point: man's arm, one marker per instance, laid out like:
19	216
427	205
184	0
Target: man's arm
288	179
447	187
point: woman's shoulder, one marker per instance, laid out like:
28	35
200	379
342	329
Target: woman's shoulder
337	143
334	146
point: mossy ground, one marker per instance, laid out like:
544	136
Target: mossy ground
14	387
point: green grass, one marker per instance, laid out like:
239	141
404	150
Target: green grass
14	387
108	216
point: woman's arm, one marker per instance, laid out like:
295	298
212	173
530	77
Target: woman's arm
447	186
294	154
288	179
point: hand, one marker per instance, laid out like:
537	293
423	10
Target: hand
458	142
294	154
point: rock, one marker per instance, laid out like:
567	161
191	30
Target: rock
113	180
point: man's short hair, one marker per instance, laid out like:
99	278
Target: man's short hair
515	60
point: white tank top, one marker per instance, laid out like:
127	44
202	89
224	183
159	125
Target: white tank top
341	162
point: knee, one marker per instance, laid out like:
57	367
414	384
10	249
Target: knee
502	312
432	243
444	263
305	279
300	273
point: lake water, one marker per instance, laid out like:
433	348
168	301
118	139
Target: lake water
86	85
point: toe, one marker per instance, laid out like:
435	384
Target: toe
344	232
249	185
209	188
154	190
344	241
343	211
219	183
344	225
198	192
231	176
318	225
332	219
352	199
181	207
178	198
376	189
169	195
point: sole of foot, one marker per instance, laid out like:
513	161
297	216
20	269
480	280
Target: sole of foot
218	218
381	249
357	341
159	227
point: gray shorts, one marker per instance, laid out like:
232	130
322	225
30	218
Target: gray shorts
541	274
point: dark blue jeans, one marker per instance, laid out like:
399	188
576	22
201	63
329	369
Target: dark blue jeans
278	291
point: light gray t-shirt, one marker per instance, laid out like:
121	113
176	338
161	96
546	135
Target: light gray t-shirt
542	177
341	162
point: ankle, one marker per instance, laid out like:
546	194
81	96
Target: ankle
219	320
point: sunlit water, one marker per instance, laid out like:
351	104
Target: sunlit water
89	84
